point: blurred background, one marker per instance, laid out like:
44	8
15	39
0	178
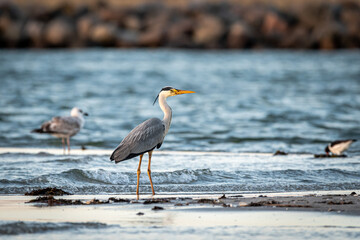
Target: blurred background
210	24
255	92
268	75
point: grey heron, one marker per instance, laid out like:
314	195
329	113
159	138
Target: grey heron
147	136
339	146
64	127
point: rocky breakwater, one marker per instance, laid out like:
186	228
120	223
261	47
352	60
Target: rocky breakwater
319	25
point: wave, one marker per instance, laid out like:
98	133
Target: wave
80	181
17	228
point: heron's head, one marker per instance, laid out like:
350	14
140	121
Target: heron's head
76	112
170	91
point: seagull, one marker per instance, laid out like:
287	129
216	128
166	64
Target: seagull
339	146
147	136
64	127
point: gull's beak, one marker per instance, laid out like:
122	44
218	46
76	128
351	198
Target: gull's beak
178	92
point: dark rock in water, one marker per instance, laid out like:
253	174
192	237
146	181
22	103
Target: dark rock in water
160	200
222	197
117	200
278	152
236	196
329	156
353	194
341	202
47	191
155	208
211	201
51	201
140	214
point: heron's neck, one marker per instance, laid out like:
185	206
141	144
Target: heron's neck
167	112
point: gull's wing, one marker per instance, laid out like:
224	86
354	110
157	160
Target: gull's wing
61	125
340	146
143	138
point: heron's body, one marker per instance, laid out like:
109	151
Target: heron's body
144	138
63	127
338	147
147	136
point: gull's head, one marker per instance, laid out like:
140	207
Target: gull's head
76	112
170	91
327	150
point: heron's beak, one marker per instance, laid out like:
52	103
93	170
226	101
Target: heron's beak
178	92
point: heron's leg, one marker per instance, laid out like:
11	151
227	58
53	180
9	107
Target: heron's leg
138	177
149	173
63	144
68	143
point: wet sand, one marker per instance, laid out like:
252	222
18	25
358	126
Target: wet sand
325	215
18	208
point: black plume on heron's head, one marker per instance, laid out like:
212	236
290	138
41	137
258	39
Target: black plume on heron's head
163	89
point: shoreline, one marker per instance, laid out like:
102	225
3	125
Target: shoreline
17	208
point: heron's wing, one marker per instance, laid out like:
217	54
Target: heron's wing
143	138
62	125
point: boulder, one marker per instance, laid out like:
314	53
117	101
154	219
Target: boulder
127	38
132	22
179	33
155	28
240	36
34	30
350	16
153	37
10	32
84	26
59	33
329	35
208	31
103	34
274	25
299	37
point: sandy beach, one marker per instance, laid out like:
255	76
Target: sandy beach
314	210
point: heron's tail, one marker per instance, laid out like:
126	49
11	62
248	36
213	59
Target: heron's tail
38	130
122	153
